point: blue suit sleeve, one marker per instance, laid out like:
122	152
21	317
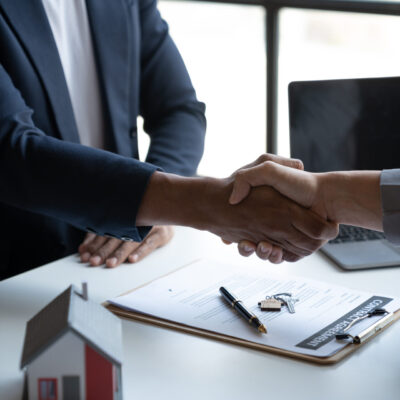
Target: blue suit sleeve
88	188
173	117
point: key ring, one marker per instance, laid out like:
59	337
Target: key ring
282	294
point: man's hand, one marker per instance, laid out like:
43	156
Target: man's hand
203	203
287	162
300	186
346	197
267	216
303	187
266	250
99	250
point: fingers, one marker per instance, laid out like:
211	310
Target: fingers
88	238
315	227
246	179
246	248
83	247
256	174
90	246
290	257
267	174
288	162
99	250
269	251
121	254
297	185
308	233
158	237
264	250
100	255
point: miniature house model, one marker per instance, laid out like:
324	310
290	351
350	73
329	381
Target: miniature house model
73	351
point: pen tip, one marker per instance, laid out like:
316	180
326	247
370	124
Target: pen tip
262	329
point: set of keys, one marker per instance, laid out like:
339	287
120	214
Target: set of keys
276	301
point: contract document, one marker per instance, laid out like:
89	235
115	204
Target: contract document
190	296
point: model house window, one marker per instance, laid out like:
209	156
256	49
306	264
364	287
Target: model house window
48	389
70	388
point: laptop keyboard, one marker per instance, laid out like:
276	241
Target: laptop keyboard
349	233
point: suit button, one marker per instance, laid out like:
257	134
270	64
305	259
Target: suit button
133	133
126	239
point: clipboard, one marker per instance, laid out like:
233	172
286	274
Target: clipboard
365	335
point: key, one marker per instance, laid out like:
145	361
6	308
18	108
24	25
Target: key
290	304
287	300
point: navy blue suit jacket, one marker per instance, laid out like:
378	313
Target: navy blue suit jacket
52	189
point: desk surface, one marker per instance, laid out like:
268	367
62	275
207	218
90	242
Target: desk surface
165	364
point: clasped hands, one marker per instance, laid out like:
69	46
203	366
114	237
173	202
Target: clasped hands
270	207
308	223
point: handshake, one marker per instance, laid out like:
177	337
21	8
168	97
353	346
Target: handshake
271	207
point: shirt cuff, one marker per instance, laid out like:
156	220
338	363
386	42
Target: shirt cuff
390	195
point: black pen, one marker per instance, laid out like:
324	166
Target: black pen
241	309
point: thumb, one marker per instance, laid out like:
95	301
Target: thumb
250	177
292	183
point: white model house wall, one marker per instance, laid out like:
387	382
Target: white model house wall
66	357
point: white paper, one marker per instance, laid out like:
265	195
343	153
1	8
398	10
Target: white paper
190	296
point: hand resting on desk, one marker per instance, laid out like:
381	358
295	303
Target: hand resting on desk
99	250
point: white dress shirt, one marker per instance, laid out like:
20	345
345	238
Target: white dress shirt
69	22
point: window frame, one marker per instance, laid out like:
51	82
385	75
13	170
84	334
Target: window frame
272	8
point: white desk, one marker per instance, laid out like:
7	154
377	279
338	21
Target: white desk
164	364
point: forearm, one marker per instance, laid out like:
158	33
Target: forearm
353	197
202	203
175	200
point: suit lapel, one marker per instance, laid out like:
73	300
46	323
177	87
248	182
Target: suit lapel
111	38
30	23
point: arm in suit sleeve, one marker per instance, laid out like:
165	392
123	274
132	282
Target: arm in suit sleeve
390	195
173	117
88	188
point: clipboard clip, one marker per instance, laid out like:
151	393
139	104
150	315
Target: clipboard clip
363	336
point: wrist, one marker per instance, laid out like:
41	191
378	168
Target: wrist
175	200
353	197
333	192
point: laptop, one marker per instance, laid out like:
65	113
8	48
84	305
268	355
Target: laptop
349	124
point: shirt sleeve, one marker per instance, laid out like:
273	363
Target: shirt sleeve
390	194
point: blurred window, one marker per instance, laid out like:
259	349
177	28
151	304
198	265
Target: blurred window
223	47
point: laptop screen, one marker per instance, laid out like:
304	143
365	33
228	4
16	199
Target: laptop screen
345	124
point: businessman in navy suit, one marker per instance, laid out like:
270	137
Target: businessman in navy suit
139	71
74	76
